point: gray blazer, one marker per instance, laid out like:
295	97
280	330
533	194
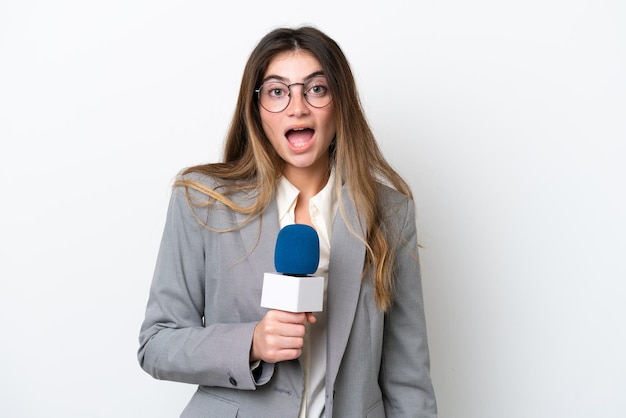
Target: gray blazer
205	302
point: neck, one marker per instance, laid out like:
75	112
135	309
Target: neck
308	180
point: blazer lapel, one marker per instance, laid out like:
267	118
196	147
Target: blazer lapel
347	255
259	238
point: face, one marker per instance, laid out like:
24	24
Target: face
301	134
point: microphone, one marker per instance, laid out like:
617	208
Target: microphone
296	258
297	250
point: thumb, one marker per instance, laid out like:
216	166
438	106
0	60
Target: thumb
311	319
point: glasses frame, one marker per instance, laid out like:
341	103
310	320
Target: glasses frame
304	94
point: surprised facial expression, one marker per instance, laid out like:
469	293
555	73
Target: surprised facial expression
301	133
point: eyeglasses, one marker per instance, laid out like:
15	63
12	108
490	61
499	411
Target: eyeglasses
275	96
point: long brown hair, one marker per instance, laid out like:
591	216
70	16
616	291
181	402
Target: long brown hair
250	161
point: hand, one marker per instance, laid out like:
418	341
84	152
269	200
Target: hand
279	336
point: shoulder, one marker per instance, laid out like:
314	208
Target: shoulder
185	177
387	191
195	201
194	188
207	193
397	210
198	184
389	198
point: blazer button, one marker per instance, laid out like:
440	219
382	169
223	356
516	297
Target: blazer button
232	381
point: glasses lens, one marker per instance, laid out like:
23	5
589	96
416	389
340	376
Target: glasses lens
317	93
274	96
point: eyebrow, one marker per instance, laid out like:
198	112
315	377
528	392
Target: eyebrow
285	80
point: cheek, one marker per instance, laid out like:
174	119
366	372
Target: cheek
329	118
272	133
270	126
330	126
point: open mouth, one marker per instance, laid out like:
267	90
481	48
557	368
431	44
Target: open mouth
299	138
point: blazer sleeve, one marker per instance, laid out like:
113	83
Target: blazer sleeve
405	369
174	343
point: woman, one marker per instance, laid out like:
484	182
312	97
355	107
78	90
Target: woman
299	150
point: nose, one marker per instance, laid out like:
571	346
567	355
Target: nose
297	104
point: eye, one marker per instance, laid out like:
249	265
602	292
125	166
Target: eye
317	87
275	90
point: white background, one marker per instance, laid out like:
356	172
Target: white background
507	118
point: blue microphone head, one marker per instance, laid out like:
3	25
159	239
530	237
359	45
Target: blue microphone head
297	250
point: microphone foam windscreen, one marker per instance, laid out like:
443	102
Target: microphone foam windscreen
297	250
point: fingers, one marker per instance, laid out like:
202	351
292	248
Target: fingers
279	336
311	319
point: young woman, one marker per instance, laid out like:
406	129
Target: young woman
299	150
